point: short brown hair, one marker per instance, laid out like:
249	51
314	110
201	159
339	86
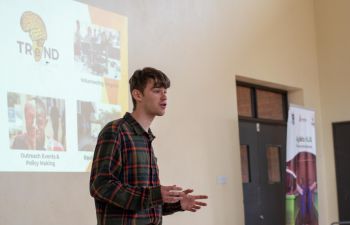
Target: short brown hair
140	78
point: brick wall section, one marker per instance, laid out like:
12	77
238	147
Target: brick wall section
269	105
244	101
245	164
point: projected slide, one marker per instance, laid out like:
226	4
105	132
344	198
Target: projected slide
64	75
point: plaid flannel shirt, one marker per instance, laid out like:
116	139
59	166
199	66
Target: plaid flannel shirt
124	176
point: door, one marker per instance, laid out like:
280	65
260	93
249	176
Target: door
341	136
265	147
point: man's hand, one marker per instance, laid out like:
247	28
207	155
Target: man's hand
171	194
190	203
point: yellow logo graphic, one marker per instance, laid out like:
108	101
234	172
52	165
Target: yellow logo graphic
34	25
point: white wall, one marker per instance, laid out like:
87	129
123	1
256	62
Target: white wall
202	45
333	35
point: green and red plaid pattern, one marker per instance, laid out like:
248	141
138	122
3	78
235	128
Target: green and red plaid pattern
124	176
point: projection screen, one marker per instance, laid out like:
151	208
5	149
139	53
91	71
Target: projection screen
64	75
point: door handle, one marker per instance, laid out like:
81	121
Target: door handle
261	217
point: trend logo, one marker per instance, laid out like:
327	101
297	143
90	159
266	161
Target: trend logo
35	26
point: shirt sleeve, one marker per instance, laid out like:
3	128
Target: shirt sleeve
104	183
170	208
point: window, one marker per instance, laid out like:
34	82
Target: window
244	101
245	165
269	105
273	164
263	103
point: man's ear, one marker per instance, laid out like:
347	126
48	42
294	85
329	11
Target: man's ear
137	95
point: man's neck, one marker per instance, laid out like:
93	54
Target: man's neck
143	119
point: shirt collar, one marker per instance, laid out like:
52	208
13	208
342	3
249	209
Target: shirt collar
137	127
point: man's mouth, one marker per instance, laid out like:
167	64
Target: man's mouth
163	105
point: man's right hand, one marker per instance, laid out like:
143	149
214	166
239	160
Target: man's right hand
171	194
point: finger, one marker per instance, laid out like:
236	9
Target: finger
175	188
172	188
200	196
175	193
187	191
200	203
196	207
168	187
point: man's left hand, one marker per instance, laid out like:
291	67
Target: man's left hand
190	202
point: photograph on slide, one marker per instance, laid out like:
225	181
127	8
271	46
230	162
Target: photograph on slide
91	118
36	123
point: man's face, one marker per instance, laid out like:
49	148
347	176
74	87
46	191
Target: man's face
30	117
40	121
35	117
154	99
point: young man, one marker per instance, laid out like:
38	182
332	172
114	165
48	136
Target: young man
124	175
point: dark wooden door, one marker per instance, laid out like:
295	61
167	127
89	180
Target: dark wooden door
264	198
341	136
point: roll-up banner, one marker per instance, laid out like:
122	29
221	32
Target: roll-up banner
301	179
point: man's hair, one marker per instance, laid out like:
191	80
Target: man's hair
140	79
37	103
40	105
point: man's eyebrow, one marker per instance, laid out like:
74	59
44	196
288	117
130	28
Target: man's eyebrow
159	88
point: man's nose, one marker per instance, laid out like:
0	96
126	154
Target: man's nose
164	96
35	123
